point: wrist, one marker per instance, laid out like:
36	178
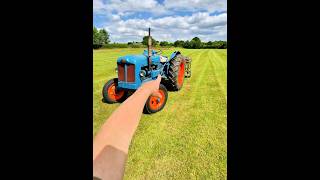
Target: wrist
144	90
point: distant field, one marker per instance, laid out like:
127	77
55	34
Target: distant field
188	138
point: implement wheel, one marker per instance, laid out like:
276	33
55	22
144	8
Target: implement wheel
188	68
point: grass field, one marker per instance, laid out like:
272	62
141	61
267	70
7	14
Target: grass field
188	138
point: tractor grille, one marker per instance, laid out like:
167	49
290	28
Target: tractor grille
121	72
126	72
130	73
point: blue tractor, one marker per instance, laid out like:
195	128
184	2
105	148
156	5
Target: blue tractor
134	70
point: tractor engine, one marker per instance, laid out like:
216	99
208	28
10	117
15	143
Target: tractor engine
133	70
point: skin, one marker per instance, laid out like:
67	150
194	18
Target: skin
111	144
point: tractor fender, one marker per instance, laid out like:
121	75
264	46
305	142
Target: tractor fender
174	54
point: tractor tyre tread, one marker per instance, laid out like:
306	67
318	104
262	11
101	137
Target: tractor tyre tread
174	71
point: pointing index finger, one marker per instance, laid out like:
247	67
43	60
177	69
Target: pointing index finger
158	78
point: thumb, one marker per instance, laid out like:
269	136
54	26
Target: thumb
156	94
158	80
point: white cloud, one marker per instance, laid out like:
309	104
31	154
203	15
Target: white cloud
164	20
124	6
171	28
115	17
167	8
195	5
98	5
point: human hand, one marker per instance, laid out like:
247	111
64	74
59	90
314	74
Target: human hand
152	87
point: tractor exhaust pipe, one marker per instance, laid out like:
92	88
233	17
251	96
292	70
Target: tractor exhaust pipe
149	50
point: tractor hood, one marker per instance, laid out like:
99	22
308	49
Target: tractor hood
133	59
141	60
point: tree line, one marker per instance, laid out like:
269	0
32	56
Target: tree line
101	40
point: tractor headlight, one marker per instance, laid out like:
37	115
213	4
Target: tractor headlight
142	73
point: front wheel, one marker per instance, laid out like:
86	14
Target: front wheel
110	92
155	104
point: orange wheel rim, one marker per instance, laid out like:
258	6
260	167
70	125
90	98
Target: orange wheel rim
181	74
156	103
115	94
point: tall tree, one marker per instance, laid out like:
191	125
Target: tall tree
97	43
196	43
145	41
100	37
104	36
95	36
196	39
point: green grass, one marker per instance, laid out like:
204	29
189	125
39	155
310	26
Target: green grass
188	138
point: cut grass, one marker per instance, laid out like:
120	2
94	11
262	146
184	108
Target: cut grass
188	138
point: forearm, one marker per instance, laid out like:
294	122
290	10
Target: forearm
121	125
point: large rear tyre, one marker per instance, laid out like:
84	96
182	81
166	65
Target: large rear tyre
155	104
176	72
111	94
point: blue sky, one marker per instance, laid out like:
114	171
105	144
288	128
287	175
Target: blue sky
170	20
